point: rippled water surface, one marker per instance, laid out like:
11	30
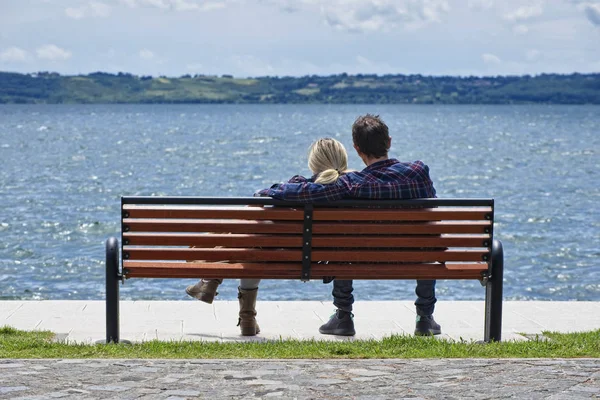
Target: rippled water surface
64	169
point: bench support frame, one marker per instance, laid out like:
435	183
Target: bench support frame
113	276
307	242
493	295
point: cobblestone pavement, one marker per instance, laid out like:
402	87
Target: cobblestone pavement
301	379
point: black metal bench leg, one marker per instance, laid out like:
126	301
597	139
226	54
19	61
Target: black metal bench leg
493	296
112	290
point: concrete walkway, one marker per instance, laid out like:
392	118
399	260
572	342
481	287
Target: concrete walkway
84	321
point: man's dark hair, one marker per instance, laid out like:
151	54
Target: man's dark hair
370	134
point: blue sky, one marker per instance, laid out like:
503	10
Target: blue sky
304	37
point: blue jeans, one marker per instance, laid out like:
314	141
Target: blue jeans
425	291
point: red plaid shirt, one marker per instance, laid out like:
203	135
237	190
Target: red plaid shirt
388	179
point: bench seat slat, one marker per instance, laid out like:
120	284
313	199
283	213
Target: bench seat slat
261	255
339	241
238	226
137	269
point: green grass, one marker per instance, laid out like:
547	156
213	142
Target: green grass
41	344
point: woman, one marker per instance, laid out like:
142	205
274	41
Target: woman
328	160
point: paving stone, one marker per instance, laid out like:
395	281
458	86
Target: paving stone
183	393
10	365
108	388
10	389
366	372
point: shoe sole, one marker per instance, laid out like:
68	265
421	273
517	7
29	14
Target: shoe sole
338	332
430	332
250	332
252	329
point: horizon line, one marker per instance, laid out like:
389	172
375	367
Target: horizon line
230	76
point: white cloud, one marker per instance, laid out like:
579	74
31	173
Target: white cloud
592	12
490	59
177	5
13	54
129	3
99	9
92	9
75	13
184	5
524	13
146	3
146	54
53	53
376	15
520	29
480	4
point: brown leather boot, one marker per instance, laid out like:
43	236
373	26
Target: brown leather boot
247	320
204	290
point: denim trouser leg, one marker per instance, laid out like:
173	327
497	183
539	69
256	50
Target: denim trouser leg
425	302
249	284
342	294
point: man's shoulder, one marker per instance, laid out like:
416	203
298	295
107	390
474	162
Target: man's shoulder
395	167
407	164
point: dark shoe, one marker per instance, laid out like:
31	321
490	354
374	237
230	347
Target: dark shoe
340	323
426	326
205	290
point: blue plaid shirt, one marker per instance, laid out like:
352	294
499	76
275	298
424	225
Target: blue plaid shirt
388	179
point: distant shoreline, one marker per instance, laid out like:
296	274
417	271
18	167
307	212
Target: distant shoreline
125	88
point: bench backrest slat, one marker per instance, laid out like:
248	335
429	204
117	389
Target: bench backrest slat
425	214
338	241
342	255
236	226
325	214
232	212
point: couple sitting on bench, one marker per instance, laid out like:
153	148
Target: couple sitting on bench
383	178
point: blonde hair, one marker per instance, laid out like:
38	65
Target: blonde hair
328	158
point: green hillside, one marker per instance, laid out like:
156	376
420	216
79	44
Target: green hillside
102	87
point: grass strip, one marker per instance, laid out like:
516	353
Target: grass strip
41	344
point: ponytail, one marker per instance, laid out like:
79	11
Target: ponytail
328	176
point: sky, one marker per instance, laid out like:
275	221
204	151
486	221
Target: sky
252	38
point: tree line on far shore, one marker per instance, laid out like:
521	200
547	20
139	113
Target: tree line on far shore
101	87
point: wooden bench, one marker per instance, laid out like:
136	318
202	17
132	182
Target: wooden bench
270	239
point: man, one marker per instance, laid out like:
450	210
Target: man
383	178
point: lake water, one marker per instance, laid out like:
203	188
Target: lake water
64	168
